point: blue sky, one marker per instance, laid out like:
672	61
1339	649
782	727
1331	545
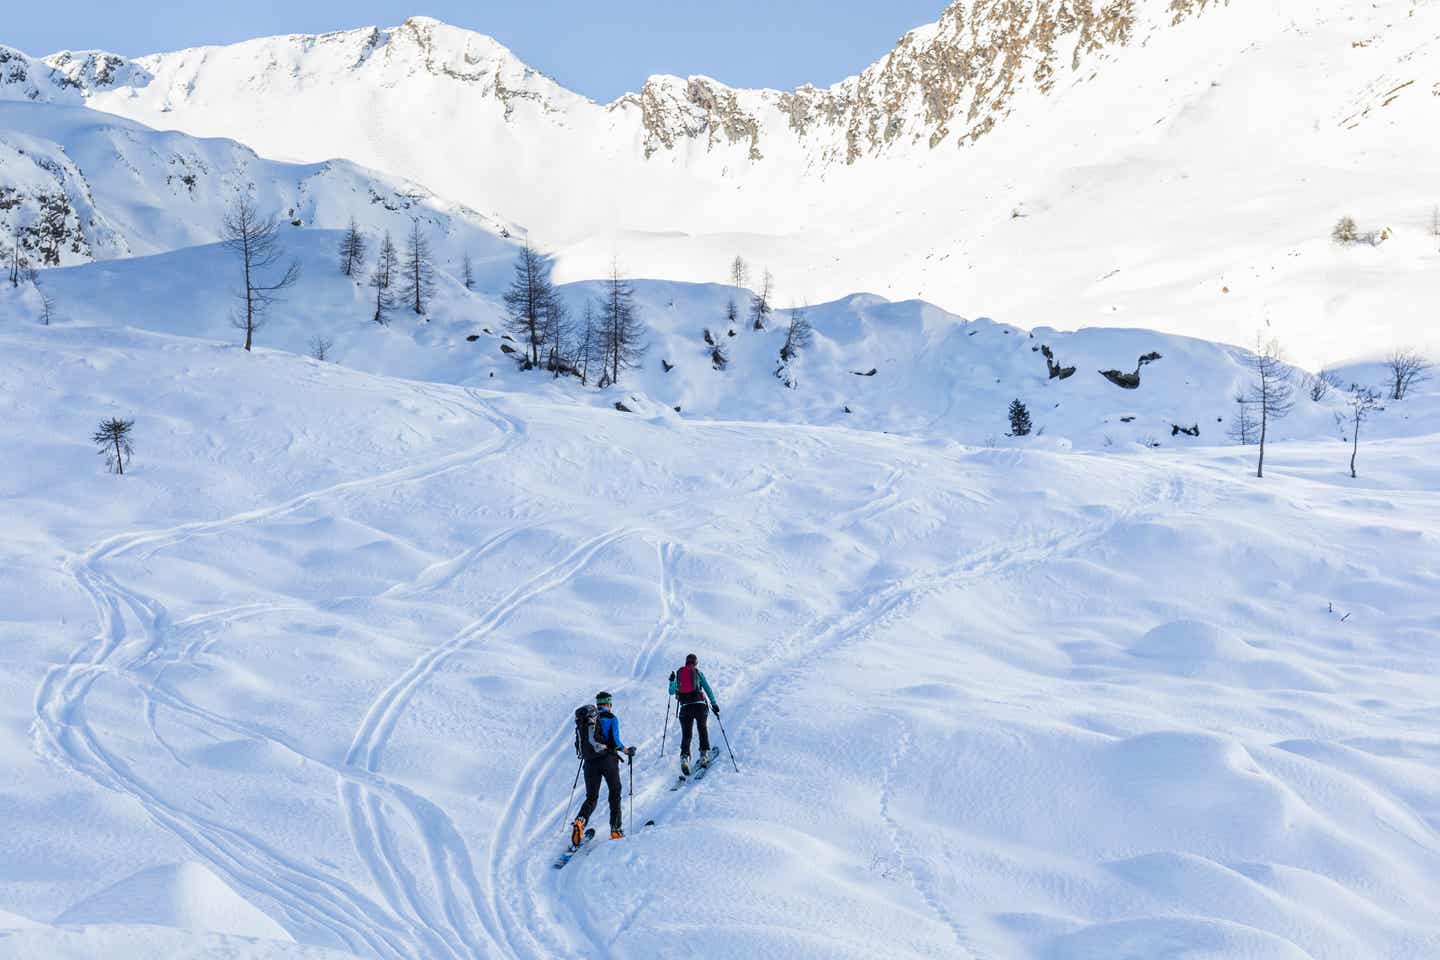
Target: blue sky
599	49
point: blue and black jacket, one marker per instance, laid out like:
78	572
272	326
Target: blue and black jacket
605	735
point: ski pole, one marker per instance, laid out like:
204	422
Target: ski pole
570	804
666	731
632	793
727	742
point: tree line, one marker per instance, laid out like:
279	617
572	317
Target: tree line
606	340
399	279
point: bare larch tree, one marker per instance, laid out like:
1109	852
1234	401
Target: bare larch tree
1270	394
47	304
527	302
587	342
622	344
418	271
113	439
1363	401
739	275
15	257
1243	428
255	239
467	271
387	263
760	308
352	250
739	272
798	336
1406	367
559	334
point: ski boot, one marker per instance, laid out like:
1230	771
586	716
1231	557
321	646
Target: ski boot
684	765
617	834
577	832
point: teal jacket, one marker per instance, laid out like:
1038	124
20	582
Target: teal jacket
704	685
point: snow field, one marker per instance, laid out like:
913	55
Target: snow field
988	702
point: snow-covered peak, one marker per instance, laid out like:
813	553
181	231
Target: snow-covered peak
1051	163
93	70
24	78
79	185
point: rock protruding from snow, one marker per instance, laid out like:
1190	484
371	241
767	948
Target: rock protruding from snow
184	895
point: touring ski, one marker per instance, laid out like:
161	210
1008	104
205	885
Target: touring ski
712	756
699	771
570	852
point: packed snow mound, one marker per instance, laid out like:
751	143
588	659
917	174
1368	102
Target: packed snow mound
1203	651
1195	207
1190	640
83	185
184	895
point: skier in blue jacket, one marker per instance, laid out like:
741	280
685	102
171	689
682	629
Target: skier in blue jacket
601	749
690	688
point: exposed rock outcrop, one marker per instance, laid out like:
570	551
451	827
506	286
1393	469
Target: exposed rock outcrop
1130	381
1057	372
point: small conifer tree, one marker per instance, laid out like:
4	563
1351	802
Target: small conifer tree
113	440
1019	419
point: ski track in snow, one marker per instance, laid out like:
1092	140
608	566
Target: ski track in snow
521	876
311	898
449	861
516	868
905	851
521	910
464	920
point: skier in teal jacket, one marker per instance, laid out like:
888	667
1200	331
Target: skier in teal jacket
690	689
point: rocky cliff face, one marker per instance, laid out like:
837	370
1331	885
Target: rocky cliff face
951	81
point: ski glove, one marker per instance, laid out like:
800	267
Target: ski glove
629	751
716	708
672	676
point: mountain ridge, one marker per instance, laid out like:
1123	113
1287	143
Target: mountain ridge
917	89
1108	195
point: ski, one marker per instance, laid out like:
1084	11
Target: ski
569	854
699	772
705	767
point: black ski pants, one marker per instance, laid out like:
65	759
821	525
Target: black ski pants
606	767
694	715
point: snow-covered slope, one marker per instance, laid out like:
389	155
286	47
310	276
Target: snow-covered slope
326	636
1164	164
906	367
80	184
